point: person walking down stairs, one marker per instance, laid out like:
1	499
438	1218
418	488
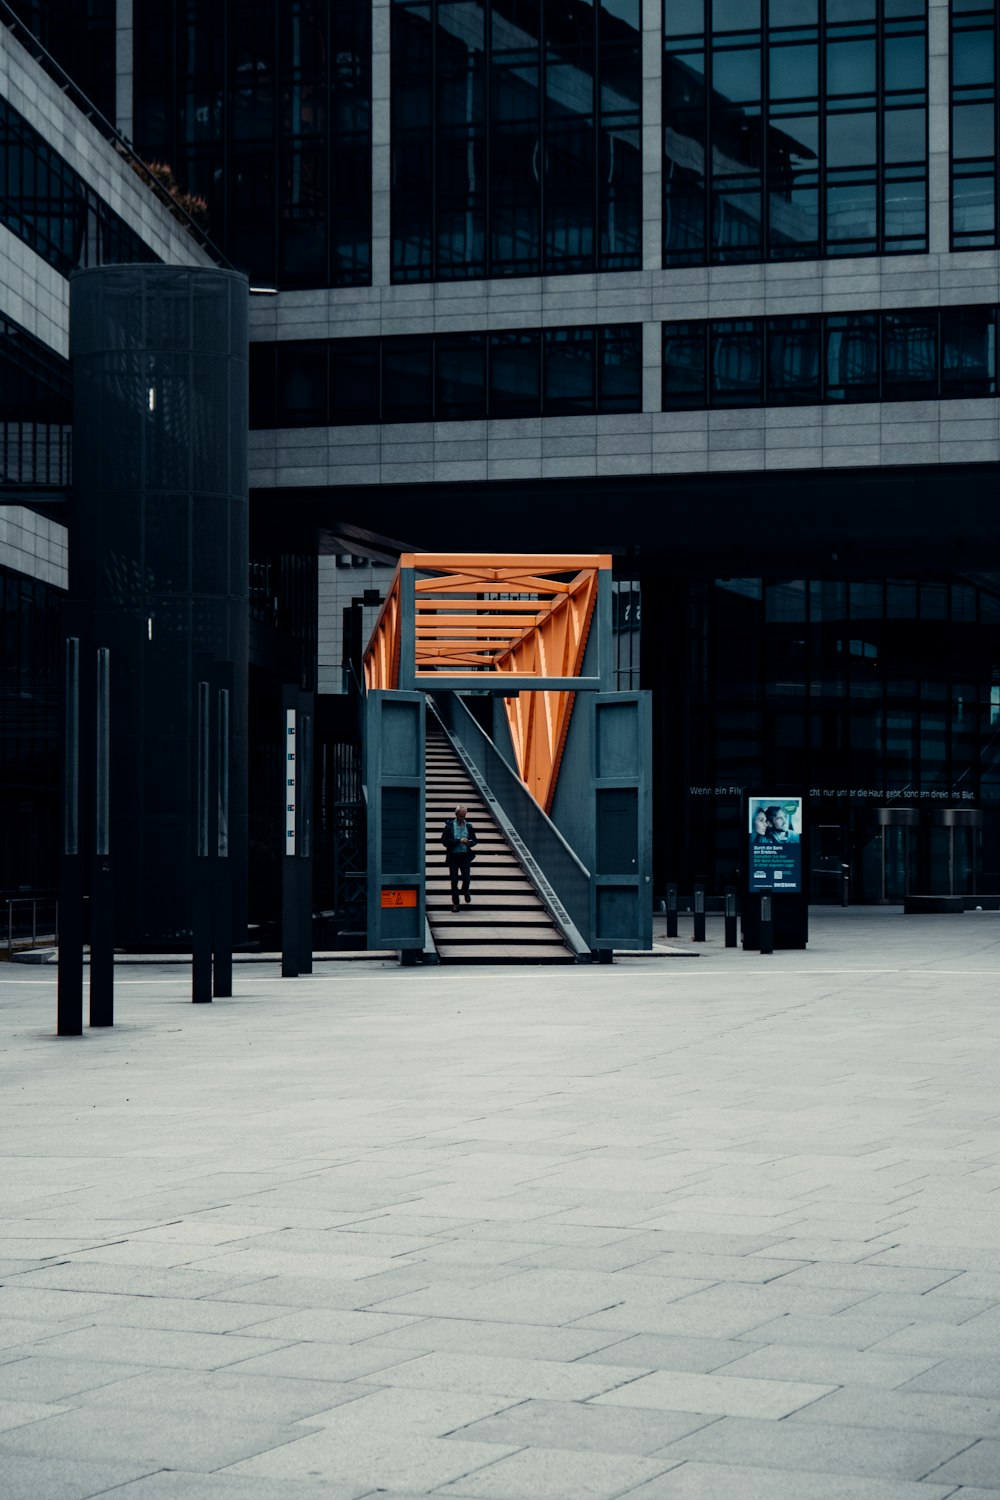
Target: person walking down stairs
459	838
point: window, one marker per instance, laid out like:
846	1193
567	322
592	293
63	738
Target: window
264	108
975	147
793	129
447	377
918	354
50	207
515	138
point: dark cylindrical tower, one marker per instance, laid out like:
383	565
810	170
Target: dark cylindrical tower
159	556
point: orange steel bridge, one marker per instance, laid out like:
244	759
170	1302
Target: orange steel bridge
514	624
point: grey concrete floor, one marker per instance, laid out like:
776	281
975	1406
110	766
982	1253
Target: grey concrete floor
724	1228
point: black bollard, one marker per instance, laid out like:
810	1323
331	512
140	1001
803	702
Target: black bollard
730	916
698	933
845	885
766	924
672	909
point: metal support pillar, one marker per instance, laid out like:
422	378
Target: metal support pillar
730	916
766	924
102	951
222	892
69	1003
201	885
672	909
698	932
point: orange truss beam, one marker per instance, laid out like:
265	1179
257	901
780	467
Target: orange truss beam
454	619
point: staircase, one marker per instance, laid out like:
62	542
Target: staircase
506	922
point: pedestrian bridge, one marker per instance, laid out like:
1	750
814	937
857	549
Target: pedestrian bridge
507	660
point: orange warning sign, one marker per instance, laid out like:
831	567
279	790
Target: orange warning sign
399	898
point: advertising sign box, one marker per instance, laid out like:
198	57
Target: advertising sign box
775	833
776	867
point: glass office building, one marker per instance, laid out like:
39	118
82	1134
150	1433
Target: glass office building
713	285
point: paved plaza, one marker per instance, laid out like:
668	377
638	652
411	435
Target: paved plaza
711	1228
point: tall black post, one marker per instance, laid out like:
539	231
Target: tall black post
672	909
766	923
222	893
290	919
102	952
304	855
698	933
69	1002
201	915
730	916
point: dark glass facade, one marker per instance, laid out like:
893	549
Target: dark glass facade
29	728
975	126
36	411
264	108
793	129
79	35
865	693
529	372
929	353
50	207
515	138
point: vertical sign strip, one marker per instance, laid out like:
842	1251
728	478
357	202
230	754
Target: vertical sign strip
102	799
203	746
71	800
289	780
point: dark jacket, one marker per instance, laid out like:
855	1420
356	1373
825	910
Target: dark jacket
452	848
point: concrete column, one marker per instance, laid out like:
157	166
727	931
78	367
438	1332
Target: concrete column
381	242
652	135
938	129
124	67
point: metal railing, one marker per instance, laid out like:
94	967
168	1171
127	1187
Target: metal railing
124	147
568	877
29	922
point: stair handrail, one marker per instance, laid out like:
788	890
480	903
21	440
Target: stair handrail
553	867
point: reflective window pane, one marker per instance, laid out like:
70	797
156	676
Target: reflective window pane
736	362
407	385
794	361
852	357
684	365
460	377
909	355
969	351
515	374
568	364
354	382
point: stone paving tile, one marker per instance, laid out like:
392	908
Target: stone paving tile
654	1351
329	1325
855	1451
156	1346
578	1425
557	1474
872	1278
979	1464
505	1340
715	1395
38	1378
145	1281
833	1366
323	1361
25	1478
903	1409
847	1330
517	1378
703	1481
174	1485
934	1307
380	1461
170	1439
959	1377
225	1393
724	1268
